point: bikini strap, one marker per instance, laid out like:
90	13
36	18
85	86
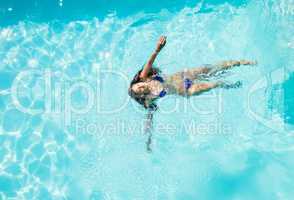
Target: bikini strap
158	78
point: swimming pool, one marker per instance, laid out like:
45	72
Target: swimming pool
68	129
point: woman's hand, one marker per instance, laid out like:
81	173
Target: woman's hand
160	44
148	66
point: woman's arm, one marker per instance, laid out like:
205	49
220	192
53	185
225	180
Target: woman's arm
148	65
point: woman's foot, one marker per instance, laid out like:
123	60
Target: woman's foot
226	85
248	62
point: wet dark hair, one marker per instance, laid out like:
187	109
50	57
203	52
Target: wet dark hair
141	98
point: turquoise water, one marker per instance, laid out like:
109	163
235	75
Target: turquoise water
68	129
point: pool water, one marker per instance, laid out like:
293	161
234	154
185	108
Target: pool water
68	129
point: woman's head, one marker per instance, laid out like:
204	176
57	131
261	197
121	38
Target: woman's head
138	90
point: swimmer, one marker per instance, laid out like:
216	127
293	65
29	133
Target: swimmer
149	84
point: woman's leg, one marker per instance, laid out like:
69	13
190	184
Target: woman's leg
176	81
210	69
233	63
199	88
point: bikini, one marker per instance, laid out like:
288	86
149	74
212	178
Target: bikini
161	80
187	84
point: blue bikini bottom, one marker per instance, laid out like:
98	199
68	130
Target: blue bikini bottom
187	84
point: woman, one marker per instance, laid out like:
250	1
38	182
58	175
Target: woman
148	84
